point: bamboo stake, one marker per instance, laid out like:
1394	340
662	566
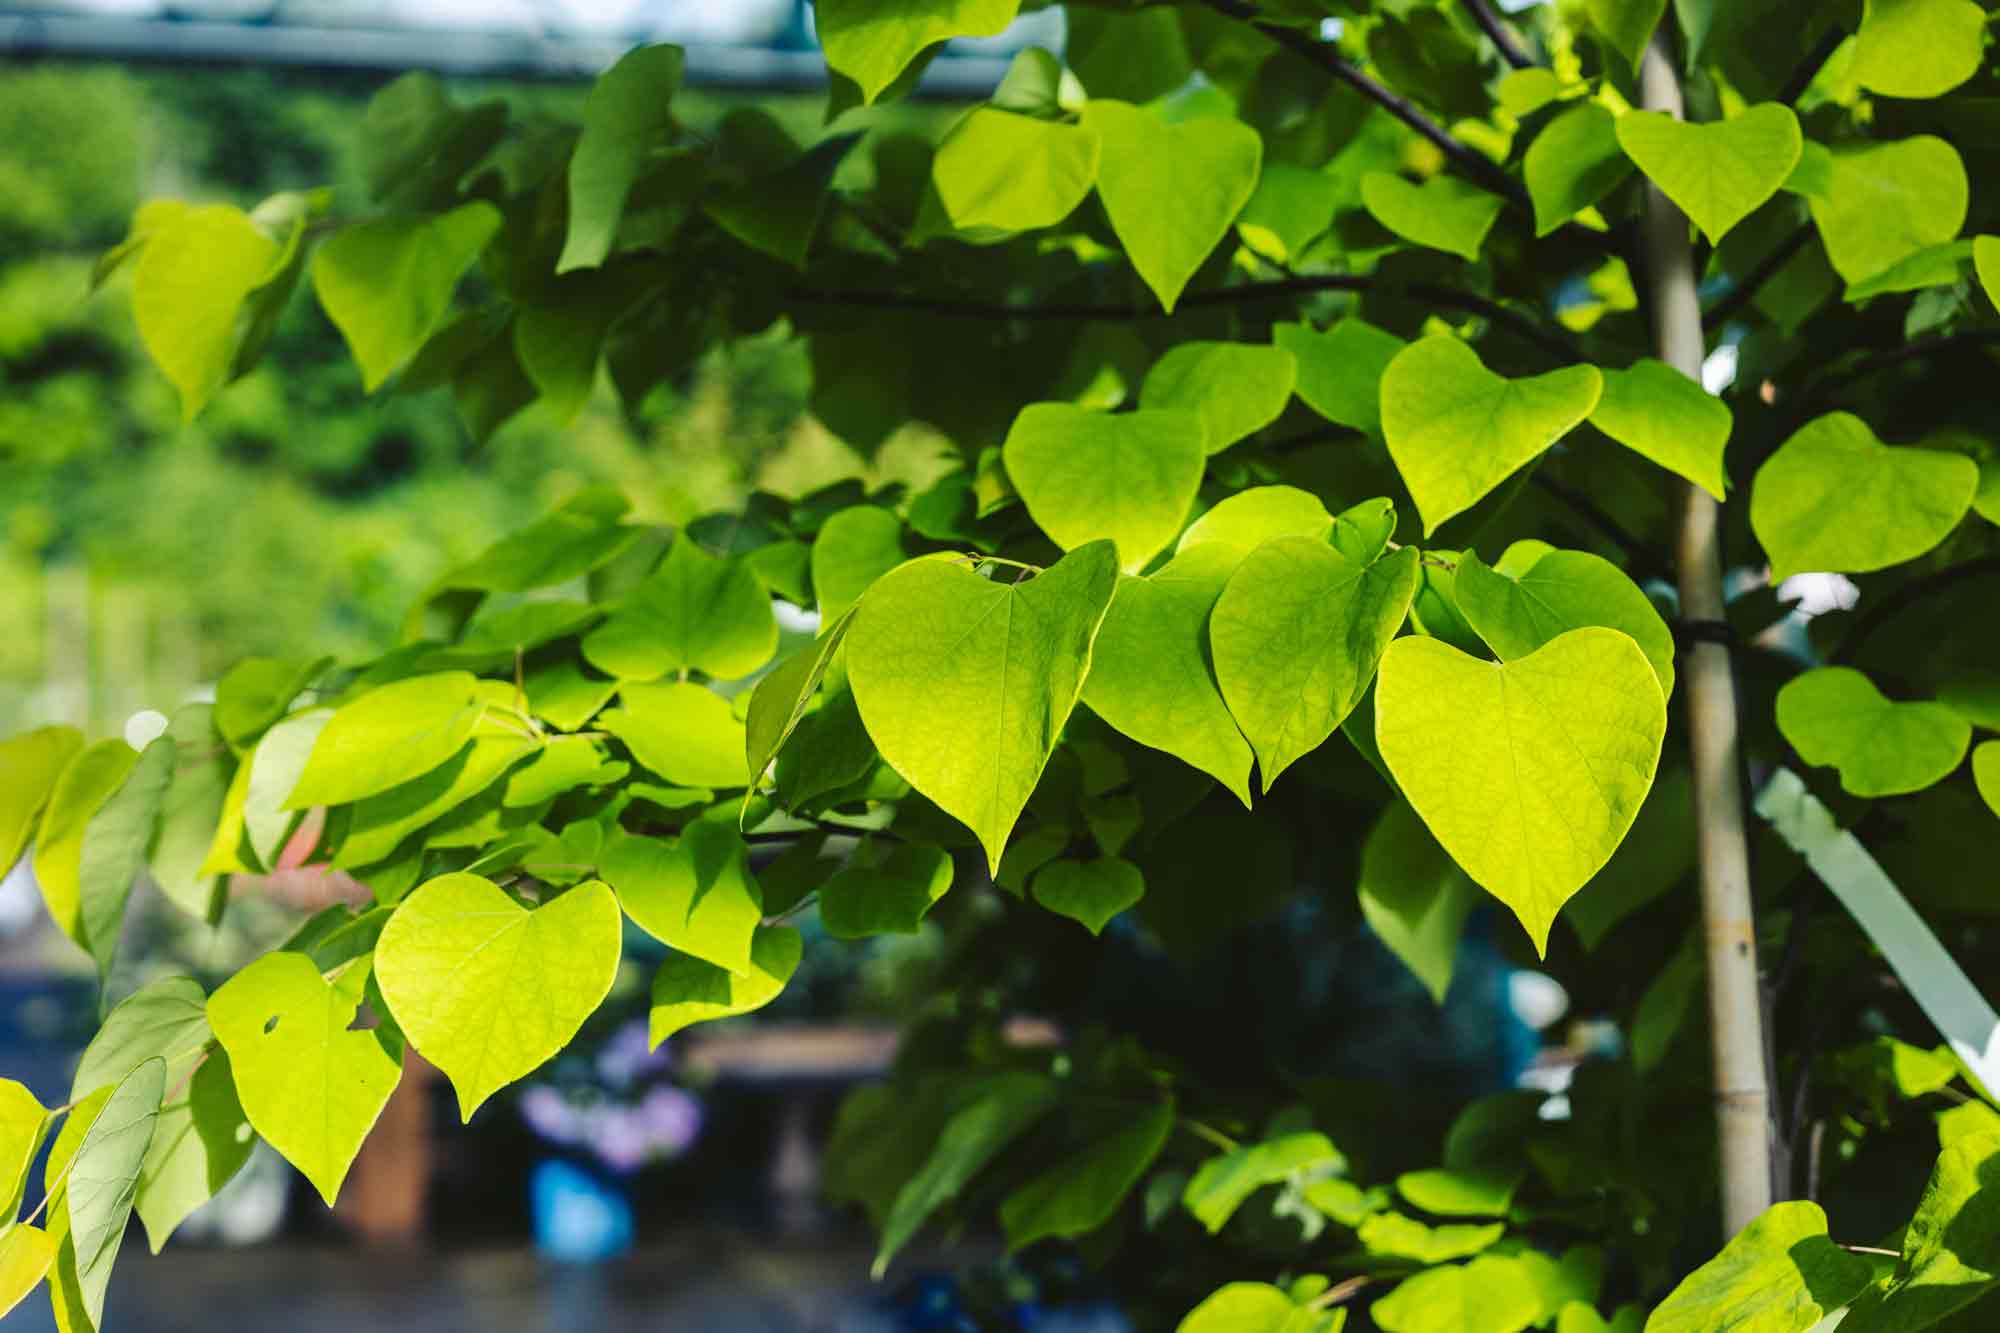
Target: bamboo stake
1742	1094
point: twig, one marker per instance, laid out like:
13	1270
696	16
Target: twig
1646	561
1745	291
1489	23
1340	1292
1466	158
1808	69
1209	1134
1902	599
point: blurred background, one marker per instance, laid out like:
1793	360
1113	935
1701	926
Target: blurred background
139	557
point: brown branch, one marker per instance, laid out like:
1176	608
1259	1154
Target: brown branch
1468	159
1490	23
1809	68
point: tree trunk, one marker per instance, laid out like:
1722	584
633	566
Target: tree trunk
1735	1013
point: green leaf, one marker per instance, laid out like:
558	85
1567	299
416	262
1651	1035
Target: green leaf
1015	173
886	894
682	731
1885	202
581	535
1236	389
263	821
694	892
1951	1251
387	736
1400	1237
1835	498
1340	370
1006	1106
1659	413
1462	1191
854	548
1986	773
1296	635
1150	676
167	1019
1414	896
871	41
1089	892
1172	191
1834	716
1082	1193
561	695
1249	518
780	700
1456	430
1221	1184
26	1253
23	1122
1573	163
1128	476
1717	173
1528	601
1292	207
1534	800
1780	1274
1258	1307
696	612
29	766
1492	1294
1444	213
386	284
116	844
630	109
1986	263
689	990
201	1142
104	1178
190	812
1627	25
964	683
1918	48
488	990
86	782
188	291
564	764
559	336
311	1084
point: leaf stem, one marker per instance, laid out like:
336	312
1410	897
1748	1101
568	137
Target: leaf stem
1208	1133
1340	1292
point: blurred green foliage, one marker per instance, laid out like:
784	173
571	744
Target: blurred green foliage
296	510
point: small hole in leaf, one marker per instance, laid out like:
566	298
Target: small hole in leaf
270	1025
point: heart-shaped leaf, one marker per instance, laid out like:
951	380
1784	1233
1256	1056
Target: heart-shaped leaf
1536	595
1444	213
1574	162
964	683
387	736
882	893
1172	191
1128	476
311	1084
29	766
1235	388
90	778
1835	716
1492	1294
695	893
1296	635
1717	173
1659	413
26	1252
1456	430
1918	48
689	990
852	549
1885	202
1781	1271
870	41
387	283
1986	263
488	990
695	611
1150	675
201	1142
1414	896
1533	801
1627	25
1090	892
1249	518
1340	369
1986	773
997	169
1835	498
687	733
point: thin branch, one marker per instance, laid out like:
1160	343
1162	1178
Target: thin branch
1808	69
1489	23
1645	561
1891	357
1742	293
1902	599
1450	298
1468	159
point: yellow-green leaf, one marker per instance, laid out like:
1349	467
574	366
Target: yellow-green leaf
1444	213
689	990
1835	716
1128	476
188	291
1720	172
1918	48
386	284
